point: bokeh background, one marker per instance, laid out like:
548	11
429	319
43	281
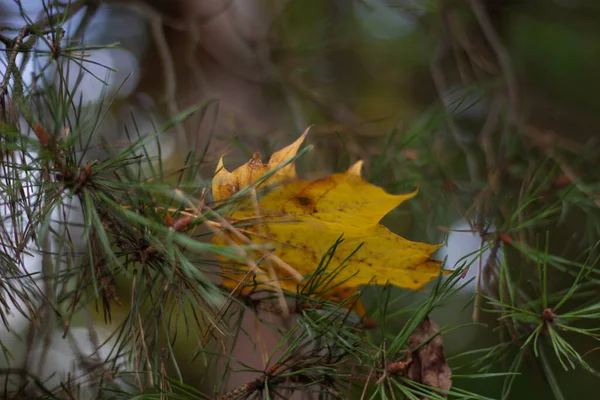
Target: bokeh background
378	79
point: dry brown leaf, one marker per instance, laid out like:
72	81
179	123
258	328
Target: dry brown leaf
427	363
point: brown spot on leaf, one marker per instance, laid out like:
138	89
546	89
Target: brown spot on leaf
427	363
306	203
256	160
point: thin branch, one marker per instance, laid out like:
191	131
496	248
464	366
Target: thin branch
503	59
12	59
441	87
170	77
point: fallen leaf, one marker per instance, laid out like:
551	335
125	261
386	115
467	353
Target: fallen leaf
298	221
427	363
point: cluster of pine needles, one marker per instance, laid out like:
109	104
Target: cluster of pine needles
142	244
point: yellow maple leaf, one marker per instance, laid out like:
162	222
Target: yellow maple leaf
298	221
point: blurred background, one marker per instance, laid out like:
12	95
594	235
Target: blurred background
469	99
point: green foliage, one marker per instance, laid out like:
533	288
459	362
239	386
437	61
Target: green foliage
122	239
